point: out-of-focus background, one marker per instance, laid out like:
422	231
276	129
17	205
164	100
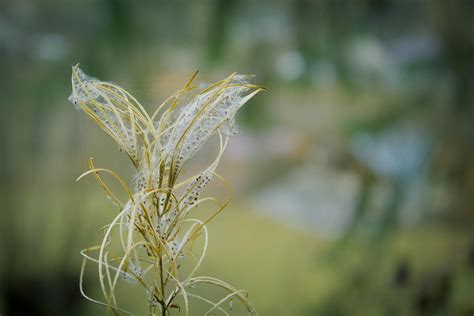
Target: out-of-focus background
353	175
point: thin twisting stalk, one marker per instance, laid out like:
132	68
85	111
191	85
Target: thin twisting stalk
156	231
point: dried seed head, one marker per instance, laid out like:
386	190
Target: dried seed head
156	216
212	109
108	106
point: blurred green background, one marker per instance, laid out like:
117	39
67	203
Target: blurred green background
353	175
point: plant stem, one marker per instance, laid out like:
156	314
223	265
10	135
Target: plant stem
163	303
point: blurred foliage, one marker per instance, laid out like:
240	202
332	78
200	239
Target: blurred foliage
343	76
